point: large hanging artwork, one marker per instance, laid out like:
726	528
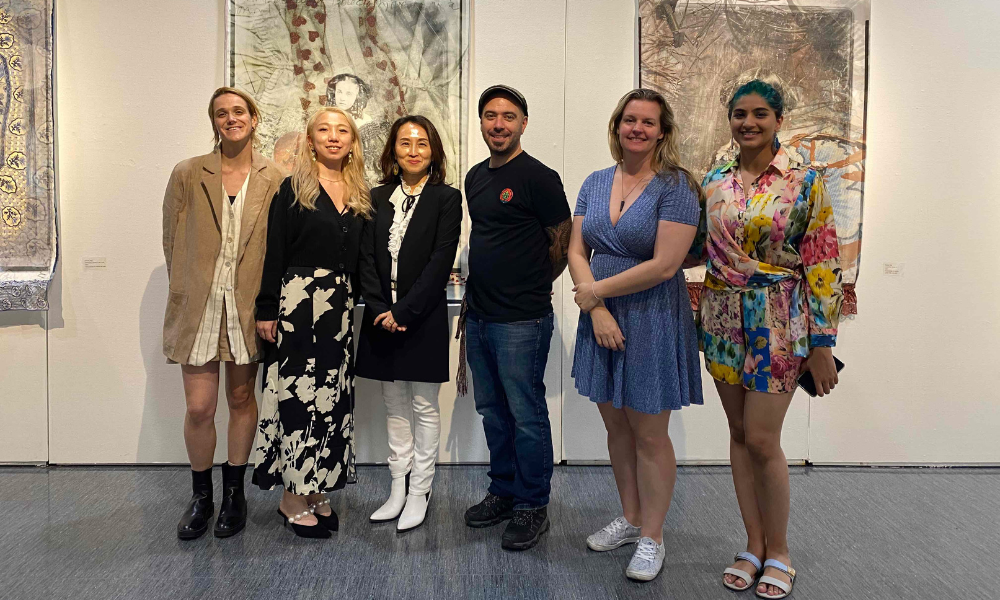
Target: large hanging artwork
376	59
698	53
27	181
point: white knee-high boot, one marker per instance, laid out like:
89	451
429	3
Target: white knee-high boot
398	406
427	435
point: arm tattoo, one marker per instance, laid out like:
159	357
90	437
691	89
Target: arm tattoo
559	246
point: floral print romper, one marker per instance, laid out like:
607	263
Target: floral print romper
773	281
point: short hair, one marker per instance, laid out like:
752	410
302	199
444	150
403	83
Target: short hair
364	93
438	159
770	93
251	108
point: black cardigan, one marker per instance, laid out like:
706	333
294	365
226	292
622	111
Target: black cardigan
426	257
298	237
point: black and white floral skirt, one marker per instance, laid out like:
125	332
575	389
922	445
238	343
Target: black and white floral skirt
305	441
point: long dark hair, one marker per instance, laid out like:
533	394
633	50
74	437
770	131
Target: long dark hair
438	161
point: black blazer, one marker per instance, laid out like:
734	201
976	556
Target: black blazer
426	257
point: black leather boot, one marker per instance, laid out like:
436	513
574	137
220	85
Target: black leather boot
194	522
233	510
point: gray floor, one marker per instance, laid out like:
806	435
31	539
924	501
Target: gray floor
856	533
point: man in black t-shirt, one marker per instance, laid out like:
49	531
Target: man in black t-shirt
521	223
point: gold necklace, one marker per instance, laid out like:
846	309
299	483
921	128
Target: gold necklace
341	180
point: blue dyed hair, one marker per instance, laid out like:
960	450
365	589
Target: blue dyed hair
765	90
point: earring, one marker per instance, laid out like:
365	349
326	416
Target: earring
430	169
313	151
776	144
395	169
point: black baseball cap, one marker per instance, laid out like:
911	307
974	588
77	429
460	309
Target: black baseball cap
502	90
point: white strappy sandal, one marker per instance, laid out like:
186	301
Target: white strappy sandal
786	588
747	577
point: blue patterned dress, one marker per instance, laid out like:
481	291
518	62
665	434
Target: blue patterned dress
658	370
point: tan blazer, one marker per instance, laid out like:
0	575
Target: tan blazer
192	240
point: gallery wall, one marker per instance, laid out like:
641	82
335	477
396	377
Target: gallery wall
86	382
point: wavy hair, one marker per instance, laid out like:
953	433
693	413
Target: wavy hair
438	166
305	174
251	108
666	159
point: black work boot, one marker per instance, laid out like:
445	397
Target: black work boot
525	528
194	523
233	510
492	510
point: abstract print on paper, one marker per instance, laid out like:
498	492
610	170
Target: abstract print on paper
27	180
697	53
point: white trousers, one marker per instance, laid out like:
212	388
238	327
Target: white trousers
413	421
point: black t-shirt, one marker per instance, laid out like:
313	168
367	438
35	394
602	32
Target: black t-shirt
510	274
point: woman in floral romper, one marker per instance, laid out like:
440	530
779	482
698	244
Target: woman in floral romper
769	311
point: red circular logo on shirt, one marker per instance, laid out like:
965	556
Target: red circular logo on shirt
506	195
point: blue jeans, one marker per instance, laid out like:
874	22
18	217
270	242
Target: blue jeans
507	362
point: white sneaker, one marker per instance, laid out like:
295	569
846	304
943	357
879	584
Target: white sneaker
394	505
615	534
414	513
647	560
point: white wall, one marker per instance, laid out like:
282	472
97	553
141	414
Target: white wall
131	85
922	355
534	64
23	394
131	92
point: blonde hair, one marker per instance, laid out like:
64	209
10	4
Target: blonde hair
666	157
305	174
251	108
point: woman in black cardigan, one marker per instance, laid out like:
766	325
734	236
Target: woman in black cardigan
405	263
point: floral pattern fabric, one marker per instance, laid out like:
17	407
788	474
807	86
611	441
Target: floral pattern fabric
773	281
306	432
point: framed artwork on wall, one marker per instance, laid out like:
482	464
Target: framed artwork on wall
376	59
697	53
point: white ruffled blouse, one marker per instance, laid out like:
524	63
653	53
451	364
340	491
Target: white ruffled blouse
400	221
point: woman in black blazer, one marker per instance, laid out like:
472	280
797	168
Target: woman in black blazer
405	264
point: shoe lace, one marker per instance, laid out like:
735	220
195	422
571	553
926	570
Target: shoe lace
522	518
616	527
646	551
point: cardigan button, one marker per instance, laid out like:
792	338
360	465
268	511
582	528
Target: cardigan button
345	229
341	266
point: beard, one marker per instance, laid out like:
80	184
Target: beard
504	146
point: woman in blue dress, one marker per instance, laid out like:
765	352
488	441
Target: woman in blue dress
636	346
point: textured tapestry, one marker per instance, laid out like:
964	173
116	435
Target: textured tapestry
698	53
376	59
27	181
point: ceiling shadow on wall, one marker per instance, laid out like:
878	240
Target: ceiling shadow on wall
20	318
161	437
466	441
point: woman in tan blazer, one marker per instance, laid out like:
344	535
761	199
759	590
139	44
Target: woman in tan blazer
214	231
